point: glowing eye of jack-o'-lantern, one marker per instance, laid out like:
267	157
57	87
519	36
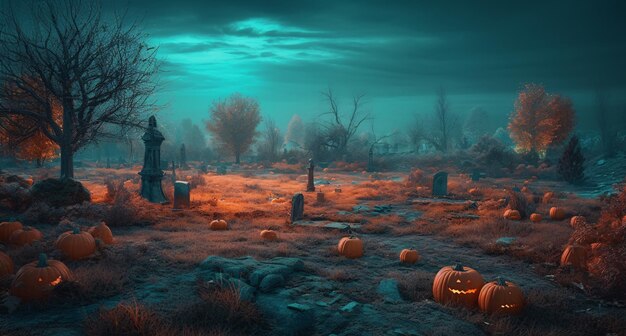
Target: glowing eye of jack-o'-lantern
501	297
458	285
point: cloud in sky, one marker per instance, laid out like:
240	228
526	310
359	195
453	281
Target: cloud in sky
397	52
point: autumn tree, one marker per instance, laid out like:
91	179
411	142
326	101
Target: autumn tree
540	120
98	68
233	122
22	135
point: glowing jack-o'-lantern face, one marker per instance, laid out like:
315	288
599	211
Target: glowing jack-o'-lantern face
36	280
457	285
501	297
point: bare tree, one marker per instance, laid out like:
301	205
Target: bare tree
340	129
272	141
445	122
416	133
233	122
99	69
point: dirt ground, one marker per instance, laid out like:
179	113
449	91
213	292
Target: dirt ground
158	258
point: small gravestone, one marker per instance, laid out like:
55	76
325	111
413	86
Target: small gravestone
310	186
476	175
320	197
181	195
440	184
297	207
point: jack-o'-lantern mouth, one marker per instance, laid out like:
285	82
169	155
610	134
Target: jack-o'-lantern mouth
460	291
56	281
508	306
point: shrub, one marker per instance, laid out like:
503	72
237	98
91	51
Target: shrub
132	319
491	155
570	166
518	201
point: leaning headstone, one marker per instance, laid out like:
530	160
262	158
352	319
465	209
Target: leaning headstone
310	183
151	173
440	184
476	175
297	207
181	195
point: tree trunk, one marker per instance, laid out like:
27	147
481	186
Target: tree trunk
237	157
67	161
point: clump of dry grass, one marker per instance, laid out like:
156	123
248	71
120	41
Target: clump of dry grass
132	319
414	286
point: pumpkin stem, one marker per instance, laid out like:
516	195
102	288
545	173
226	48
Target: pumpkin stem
43	260
459	267
75	230
501	281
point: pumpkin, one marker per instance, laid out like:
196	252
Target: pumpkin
102	232
36	280
409	256
218	225
475	192
547	197
574	255
557	213
577	221
25	236
501	297
7	229
6	265
536	218
512	214
269	235
350	247
76	245
457	285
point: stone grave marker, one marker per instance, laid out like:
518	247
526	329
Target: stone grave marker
297	207
440	184
181	195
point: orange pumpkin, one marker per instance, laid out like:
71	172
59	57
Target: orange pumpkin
102	232
350	247
409	256
574	255
6	265
76	245
512	214
577	221
269	235
501	297
547	197
36	280
557	213
457	285
218	225
7	229
536	218
475	192
25	236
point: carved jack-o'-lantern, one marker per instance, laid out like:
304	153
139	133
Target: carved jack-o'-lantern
36	280
457	285
501	297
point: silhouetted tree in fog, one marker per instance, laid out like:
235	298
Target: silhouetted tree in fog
540	120
606	125
445	123
340	129
99	69
571	165
272	141
233	122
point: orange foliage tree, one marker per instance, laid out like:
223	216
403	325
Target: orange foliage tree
540	119
22	135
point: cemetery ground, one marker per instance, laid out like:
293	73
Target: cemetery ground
168	273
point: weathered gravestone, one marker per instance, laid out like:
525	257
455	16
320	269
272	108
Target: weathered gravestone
311	183
297	207
151	173
440	184
181	195
476	175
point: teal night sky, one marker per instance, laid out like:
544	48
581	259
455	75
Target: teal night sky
284	53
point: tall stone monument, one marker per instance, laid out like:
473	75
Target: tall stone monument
151	173
310	186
